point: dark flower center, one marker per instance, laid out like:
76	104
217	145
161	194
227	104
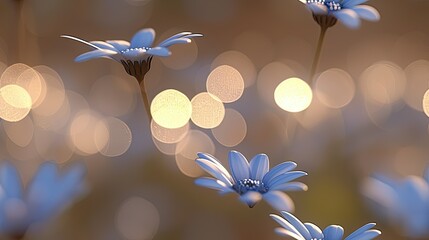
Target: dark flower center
246	185
332	5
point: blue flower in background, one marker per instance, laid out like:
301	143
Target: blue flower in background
135	56
293	227
348	12
404	203
252	181
47	194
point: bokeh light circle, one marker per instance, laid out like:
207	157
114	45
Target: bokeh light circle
335	88
15	103
293	95
137	219
232	130
167	135
226	83
171	109
418	82
118	136
426	103
207	110
239	61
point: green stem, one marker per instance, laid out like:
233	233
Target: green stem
318	52
145	99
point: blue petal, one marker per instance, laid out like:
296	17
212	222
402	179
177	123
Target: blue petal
95	54
259	166
178	35
251	198
159	51
143	38
80	40
104	45
368	235
175	41
10	181
286	225
333	232
217	163
348	17
318	9
352	3
285	177
120	45
213	184
278	170
367	12
315	231
279	201
239	166
300	227
289	186
364	233
213	170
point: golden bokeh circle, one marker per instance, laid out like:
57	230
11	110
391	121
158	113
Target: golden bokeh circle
207	110
293	95
171	109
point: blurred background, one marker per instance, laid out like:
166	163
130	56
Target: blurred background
366	114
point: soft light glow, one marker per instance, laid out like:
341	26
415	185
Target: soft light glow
207	110
383	82
226	83
118	136
82	133
426	103
232	130
171	109
20	133
184	54
137	219
293	95
335	88
418	82
239	61
15	103
166	135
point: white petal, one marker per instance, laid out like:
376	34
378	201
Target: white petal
175	41
212	184
80	40
314	230
143	38
300	227
178	35
104	45
279	201
213	170
285	233
367	12
217	163
94	54
239	166
159	51
251	198
318	9
259	166
10	181
348	17
286	225
333	232
120	45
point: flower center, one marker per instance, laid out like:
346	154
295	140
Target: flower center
246	185
332	5
135	49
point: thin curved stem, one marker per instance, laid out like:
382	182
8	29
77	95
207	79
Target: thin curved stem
318	52
145	99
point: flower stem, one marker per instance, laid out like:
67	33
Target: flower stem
323	30
145	99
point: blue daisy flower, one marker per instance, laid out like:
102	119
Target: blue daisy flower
293	227
348	12
252	181
47	194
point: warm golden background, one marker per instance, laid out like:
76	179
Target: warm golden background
383	129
